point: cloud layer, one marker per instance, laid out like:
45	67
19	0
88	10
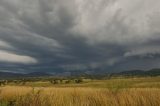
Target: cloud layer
60	35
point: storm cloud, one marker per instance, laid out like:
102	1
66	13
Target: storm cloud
73	35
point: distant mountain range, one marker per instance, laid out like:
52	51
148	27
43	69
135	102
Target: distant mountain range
153	72
4	75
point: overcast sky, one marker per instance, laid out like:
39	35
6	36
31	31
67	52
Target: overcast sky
73	35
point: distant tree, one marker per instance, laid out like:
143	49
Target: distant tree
54	81
78	81
61	81
67	81
23	81
16	81
51	82
3	82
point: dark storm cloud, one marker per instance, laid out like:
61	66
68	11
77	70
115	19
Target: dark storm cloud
59	35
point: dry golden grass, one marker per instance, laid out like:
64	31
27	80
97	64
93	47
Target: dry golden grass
79	96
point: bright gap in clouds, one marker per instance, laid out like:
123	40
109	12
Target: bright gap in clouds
14	58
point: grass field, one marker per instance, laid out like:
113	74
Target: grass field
113	92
